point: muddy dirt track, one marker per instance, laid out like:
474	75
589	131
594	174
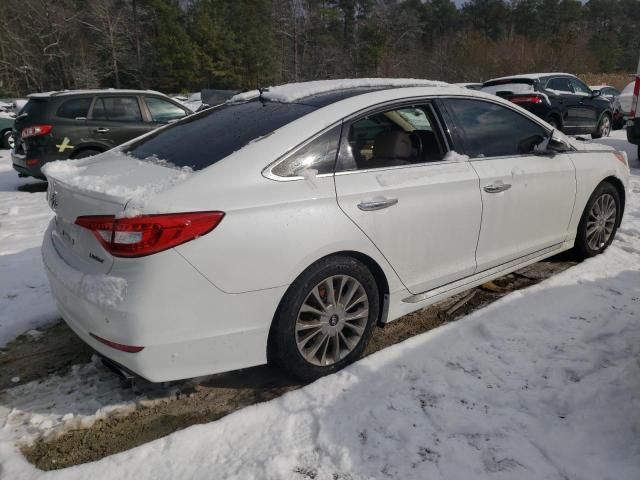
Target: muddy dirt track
206	399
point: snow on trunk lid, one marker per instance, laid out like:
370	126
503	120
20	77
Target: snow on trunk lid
108	184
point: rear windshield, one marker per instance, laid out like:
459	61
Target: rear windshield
513	85
33	106
202	139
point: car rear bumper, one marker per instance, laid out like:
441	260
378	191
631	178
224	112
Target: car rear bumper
186	325
30	165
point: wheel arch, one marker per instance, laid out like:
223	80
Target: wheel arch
378	274
619	186
88	146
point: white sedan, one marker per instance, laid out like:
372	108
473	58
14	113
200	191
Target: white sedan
284	226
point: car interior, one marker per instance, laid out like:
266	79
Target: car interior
395	138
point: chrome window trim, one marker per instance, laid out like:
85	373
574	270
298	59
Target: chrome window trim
382	106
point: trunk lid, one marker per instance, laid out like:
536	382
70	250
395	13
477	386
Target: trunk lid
101	185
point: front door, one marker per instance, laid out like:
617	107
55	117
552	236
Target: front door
422	211
527	198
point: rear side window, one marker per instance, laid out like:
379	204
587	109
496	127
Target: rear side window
74	108
202	139
560	84
319	156
117	109
163	111
491	130
579	87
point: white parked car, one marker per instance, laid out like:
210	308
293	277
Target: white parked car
286	227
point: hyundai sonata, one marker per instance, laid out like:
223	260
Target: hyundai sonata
286	224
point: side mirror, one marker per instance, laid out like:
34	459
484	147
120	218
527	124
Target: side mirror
551	145
595	93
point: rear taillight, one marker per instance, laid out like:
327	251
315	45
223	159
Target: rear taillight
36	131
148	234
526	99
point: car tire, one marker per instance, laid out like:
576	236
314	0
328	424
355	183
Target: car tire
6	135
553	121
88	152
314	333
604	127
599	222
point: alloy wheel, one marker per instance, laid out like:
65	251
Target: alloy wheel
601	221
332	320
605	126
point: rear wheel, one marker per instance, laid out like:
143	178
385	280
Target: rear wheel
89	152
599	221
6	139
553	121
325	319
604	127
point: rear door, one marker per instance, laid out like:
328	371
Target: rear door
420	209
573	114
527	198
116	119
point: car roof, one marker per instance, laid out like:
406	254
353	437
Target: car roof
324	92
60	93
531	76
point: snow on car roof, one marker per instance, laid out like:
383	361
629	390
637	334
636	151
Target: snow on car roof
530	76
295	91
57	93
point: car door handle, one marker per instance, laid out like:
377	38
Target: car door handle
497	187
102	130
377	204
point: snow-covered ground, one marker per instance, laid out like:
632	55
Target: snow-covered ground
25	300
544	383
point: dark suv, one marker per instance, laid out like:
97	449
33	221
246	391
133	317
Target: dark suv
560	99
81	123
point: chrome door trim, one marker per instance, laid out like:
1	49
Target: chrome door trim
374	205
492	272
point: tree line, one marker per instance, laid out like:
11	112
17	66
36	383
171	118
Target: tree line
185	45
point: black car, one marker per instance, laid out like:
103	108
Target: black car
81	123
560	99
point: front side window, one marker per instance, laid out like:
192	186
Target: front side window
398	137
117	109
163	111
318	156
580	87
492	130
560	84
74	108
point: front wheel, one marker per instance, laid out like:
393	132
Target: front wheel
604	127
325	319
599	221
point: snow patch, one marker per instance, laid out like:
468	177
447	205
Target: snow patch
100	289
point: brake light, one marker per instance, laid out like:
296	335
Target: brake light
36	131
148	234
526	99
32	162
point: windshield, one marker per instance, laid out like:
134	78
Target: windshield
203	139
